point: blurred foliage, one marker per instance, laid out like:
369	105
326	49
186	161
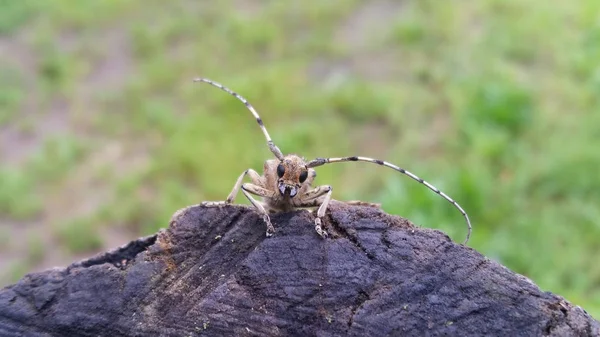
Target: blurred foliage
494	101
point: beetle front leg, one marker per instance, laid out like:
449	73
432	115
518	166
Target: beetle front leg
254	177
313	198
261	192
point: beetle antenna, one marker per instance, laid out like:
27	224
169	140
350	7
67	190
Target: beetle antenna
322	161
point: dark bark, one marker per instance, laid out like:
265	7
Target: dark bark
214	273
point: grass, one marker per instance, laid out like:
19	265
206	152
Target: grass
497	108
79	236
11	93
17	197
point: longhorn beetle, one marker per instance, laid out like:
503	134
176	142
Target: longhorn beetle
286	181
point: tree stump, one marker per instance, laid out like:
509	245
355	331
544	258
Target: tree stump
214	273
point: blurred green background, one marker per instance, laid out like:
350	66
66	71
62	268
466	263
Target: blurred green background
103	135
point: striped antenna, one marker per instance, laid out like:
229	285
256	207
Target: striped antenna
272	146
322	161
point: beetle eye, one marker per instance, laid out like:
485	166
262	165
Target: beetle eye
303	176
280	170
